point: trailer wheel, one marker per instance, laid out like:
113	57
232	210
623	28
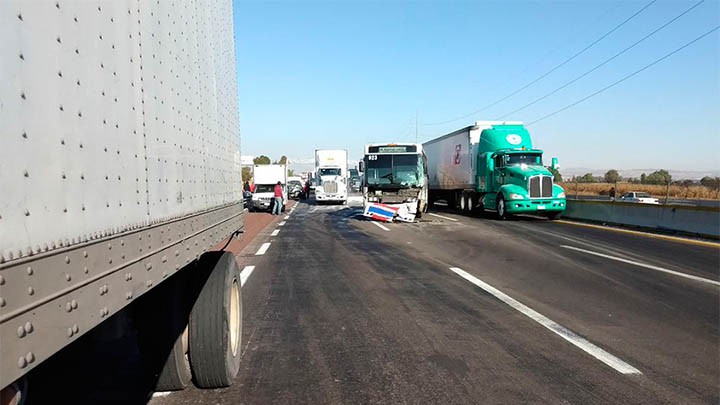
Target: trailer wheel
163	334
463	203
502	208
15	393
216	322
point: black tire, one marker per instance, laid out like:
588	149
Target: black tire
451	203
162	322
420	209
554	216
216	322
502	208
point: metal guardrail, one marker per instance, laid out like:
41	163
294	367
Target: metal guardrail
696	220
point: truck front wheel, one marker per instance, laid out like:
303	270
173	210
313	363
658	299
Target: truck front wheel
502	208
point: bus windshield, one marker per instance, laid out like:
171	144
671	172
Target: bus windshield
395	170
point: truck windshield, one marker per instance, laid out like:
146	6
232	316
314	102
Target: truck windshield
330	172
398	170
534	159
264	188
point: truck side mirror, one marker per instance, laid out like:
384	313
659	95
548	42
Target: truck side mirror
555	165
361	166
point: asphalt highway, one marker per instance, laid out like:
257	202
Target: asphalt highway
457	310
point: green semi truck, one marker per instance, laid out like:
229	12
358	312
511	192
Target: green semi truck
492	166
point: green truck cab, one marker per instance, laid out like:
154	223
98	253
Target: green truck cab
493	166
511	176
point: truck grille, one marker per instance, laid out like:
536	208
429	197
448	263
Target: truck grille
330	187
541	187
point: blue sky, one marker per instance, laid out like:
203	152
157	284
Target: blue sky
341	74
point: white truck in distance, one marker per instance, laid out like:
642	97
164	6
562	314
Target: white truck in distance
332	174
265	178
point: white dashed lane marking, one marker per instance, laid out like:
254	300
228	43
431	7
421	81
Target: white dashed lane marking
443	217
245	274
647	266
556	328
262	249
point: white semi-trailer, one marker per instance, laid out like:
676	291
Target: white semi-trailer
119	171
331	171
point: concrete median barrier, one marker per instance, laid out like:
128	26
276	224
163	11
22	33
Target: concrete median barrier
702	221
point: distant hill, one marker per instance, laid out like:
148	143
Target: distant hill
635	173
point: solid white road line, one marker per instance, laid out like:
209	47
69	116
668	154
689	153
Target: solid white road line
440	216
381	226
556	328
245	274
281	223
160	394
262	249
647	266
275	232
287	217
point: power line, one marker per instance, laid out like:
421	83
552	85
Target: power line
626	77
551	70
574	35
601	64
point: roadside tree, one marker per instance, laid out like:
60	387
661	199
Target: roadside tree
660	177
612	176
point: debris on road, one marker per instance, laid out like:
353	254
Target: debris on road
404	212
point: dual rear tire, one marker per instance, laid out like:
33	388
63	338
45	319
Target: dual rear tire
191	328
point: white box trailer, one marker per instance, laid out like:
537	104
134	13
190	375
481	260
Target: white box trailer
119	166
452	158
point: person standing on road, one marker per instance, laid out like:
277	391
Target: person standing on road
278	192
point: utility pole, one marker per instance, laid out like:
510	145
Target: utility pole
416	125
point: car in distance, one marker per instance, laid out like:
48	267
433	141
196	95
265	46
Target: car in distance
639	197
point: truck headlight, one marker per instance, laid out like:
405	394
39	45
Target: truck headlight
561	195
515	196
